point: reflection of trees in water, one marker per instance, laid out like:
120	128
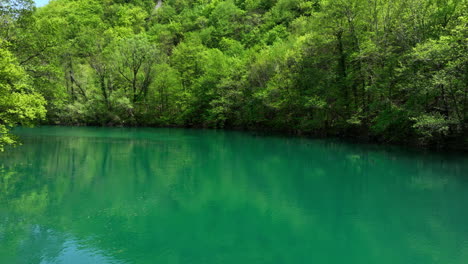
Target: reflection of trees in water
202	191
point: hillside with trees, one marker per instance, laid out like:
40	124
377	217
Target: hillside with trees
378	70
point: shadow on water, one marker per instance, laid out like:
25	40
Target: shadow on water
120	195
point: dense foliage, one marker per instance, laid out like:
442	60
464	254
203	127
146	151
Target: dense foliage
389	71
19	103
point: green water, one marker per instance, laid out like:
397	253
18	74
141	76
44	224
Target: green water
110	195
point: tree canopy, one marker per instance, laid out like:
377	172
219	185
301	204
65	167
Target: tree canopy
20	104
387	71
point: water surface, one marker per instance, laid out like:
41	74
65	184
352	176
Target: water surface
113	195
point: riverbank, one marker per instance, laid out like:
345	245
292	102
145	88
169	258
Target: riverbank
448	144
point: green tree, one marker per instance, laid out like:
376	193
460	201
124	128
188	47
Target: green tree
19	103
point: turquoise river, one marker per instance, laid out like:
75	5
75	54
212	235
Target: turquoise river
143	195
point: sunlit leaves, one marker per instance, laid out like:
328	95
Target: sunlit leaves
19	104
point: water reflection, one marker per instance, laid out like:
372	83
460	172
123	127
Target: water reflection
192	196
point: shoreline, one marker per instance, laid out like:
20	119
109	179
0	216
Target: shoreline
450	145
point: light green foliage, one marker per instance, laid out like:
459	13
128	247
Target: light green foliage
392	71
431	125
133	60
19	104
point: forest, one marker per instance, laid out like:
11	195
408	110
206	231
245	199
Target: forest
374	70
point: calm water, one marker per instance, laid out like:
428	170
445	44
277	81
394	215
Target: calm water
103	195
